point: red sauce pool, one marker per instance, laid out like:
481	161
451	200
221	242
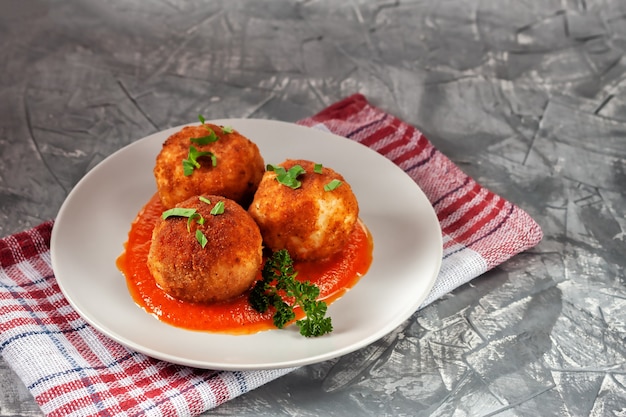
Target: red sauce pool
333	276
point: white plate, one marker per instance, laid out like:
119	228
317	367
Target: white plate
93	224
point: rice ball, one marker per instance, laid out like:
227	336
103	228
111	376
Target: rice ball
314	220
220	269
229	164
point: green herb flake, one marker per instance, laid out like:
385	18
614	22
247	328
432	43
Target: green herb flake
288	178
227	129
318	168
278	278
197	217
333	185
192	163
204	200
274	168
201	238
189	222
218	208
189	166
178	212
205	140
191	214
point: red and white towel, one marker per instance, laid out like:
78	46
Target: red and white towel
71	369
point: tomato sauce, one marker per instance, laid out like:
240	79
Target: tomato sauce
333	276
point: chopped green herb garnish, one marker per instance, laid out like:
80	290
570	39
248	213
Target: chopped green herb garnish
317	168
218	208
178	211
288	178
188	167
205	140
192	163
201	238
279	283
198	217
227	129
204	199
332	185
191	214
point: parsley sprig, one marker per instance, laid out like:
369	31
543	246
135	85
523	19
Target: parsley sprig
279	284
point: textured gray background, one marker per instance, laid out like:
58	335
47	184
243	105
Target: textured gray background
527	96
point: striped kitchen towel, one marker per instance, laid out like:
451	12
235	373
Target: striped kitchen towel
71	369
480	229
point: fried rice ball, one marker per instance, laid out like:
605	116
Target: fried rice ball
310	222
225	268
236	174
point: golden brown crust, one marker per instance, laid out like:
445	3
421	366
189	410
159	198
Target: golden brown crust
236	176
225	268
309	222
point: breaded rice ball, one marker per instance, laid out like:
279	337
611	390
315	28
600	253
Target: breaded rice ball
309	221
238	168
224	268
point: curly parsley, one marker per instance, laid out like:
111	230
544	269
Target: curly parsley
279	283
